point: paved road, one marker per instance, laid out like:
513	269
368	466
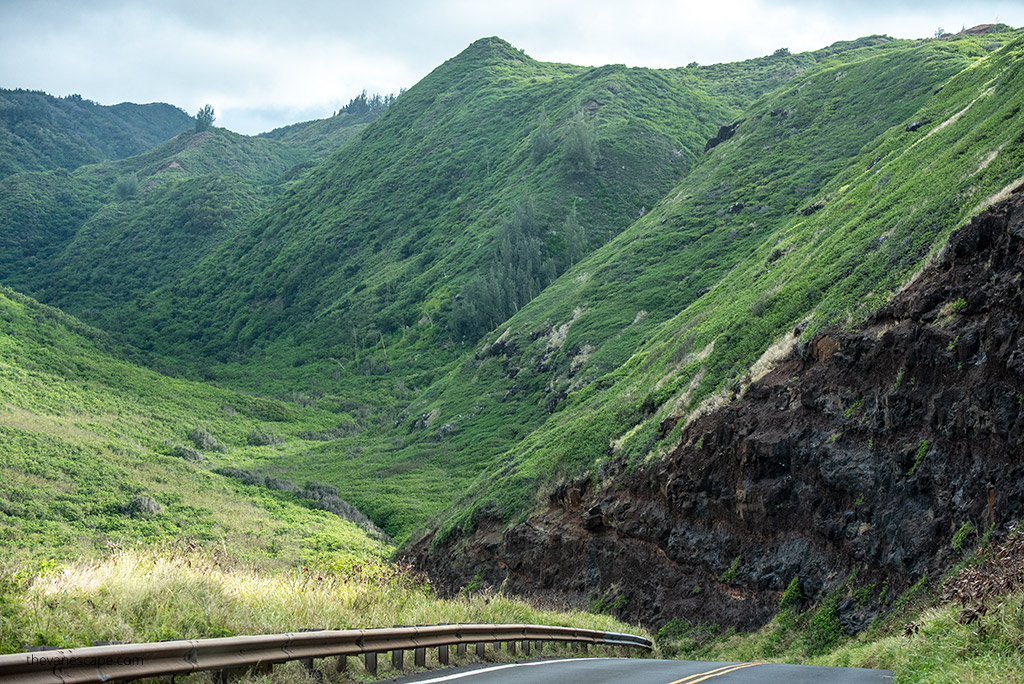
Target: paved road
628	670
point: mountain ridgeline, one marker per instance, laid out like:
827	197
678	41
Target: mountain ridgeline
39	132
517	309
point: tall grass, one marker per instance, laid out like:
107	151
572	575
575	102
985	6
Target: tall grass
141	595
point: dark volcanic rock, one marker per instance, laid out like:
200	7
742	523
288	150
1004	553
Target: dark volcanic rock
860	452
724	133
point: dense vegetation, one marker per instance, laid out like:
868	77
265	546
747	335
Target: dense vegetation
680	306
39	132
366	282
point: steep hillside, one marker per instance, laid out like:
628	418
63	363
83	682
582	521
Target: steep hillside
618	379
870	458
97	451
39	132
699	214
365	282
605	349
100	236
465	199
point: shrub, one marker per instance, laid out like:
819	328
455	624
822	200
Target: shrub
961	535
824	629
793	597
126	186
205	441
922	451
263	439
142	506
186	452
733	573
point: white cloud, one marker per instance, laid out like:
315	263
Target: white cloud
263	64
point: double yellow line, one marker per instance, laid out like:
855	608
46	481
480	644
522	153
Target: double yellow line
701	676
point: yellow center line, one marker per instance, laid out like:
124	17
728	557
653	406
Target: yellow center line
712	673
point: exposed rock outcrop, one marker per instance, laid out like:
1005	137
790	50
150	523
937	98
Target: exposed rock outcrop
724	133
861	451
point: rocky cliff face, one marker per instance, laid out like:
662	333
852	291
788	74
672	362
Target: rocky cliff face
863	451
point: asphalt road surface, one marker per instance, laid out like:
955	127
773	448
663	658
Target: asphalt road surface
628	670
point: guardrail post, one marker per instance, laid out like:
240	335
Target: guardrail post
370	661
442	654
308	666
420	657
460	651
526	647
342	665
539	645
510	646
397	659
480	650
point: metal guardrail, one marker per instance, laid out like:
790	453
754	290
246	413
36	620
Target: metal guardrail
167	658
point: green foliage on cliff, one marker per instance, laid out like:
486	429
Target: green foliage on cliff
39	132
809	212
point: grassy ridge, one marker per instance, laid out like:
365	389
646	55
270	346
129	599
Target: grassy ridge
97	450
572	373
39	132
883	212
360	266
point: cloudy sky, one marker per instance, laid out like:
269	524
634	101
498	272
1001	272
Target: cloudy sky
264	64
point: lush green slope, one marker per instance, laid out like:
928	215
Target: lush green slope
323	137
97	451
459	204
368	279
831	238
99	236
544	390
39	132
364	286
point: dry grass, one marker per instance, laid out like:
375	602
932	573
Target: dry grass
183	592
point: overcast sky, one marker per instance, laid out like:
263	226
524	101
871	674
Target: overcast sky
263	64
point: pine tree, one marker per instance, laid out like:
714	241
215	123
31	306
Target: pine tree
204	118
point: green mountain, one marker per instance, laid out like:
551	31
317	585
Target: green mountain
369	278
105	234
823	203
678	307
549	327
646	234
39	132
520	272
493	163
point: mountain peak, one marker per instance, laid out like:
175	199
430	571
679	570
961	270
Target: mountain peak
491	49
